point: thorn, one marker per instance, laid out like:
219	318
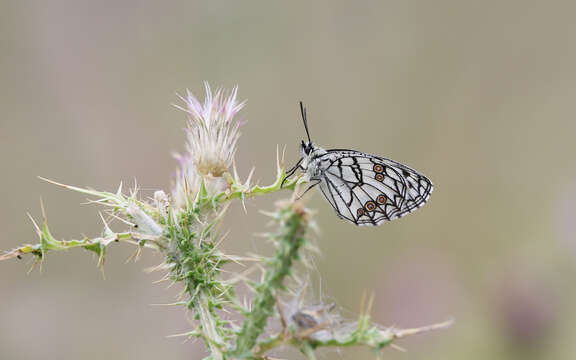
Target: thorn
250	174
171	284
363	303
102	270
178	303
134	191
36	261
35	225
165	278
283	155
405	332
43	210
243	199
102	201
134	256
122	220
222	238
107	230
234	259
398	347
51	181
369	304
279	166
234	169
188	333
237	259
162	266
243	276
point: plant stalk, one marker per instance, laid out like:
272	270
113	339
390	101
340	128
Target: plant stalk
289	240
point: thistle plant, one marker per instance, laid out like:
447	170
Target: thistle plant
184	225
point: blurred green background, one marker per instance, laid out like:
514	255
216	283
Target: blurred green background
478	95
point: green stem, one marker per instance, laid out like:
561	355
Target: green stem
209	327
365	334
270	344
238	192
288	243
308	351
97	245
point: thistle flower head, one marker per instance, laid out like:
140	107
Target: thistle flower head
212	130
212	133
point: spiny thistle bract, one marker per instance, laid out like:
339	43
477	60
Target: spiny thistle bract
183	227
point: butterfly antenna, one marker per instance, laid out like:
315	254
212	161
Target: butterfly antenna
303	111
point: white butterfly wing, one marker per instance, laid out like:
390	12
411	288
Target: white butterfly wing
368	190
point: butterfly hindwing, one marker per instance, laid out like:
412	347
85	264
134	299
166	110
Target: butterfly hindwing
368	190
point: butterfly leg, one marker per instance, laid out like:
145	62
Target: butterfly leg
316	182
291	172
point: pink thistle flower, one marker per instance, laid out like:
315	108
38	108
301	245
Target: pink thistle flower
212	134
212	130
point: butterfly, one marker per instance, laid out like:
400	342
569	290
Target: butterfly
363	189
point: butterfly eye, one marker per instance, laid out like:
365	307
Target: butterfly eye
306	147
303	146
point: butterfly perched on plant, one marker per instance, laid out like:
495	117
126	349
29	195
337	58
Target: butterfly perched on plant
363	189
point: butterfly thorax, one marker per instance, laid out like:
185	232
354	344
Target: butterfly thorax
312	161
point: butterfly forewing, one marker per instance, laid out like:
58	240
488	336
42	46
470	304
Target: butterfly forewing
368	190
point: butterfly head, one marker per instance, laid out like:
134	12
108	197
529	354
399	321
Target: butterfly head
307	148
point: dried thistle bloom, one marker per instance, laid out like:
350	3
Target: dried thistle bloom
212	130
212	133
316	321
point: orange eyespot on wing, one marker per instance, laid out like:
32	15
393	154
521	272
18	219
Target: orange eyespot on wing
370	206
381	199
369	190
